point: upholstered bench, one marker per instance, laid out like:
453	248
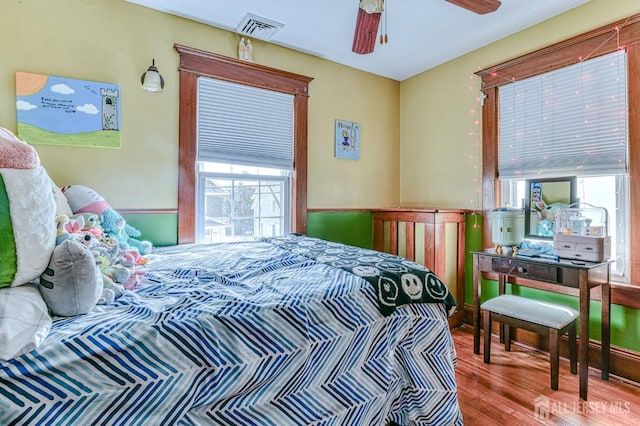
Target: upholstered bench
544	318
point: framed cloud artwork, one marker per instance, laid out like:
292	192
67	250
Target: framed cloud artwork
347	140
63	111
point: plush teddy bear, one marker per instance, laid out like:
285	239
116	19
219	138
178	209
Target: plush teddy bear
85	200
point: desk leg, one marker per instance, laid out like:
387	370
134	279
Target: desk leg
502	280
583	350
606	329
476	305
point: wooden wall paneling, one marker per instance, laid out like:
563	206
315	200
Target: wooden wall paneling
187	153
299	177
490	184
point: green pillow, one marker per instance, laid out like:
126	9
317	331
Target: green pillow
27	225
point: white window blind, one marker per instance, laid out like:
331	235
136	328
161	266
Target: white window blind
568	122
244	125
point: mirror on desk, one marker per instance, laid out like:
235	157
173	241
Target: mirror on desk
542	200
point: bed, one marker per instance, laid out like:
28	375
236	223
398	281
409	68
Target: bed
282	331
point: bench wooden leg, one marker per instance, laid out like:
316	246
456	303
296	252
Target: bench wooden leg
554	354
486	320
507	337
573	349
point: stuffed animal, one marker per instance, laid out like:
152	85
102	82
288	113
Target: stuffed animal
72	284
114	225
91	221
33	215
85	200
27	241
116	268
62	206
27	213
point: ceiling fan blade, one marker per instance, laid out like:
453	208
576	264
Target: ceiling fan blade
478	6
366	32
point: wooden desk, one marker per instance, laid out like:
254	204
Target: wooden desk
562	276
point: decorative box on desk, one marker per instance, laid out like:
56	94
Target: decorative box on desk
582	233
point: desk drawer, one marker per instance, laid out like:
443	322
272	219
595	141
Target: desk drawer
523	269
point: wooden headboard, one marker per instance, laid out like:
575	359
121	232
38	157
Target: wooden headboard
432	237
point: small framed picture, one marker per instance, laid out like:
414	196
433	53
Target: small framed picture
347	140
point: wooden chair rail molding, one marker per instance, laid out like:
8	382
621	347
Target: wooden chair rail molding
148	211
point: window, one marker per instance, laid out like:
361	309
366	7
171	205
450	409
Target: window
571	122
195	63
245	158
598	42
608	191
238	202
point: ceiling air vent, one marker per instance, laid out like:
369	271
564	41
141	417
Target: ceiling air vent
258	27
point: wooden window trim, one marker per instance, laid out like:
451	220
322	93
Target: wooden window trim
603	40
195	63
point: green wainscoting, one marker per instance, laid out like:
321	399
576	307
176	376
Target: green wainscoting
472	242
348	227
159	228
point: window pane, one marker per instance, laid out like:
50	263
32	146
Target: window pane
610	192
241	203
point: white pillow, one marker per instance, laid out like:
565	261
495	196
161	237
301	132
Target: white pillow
24	320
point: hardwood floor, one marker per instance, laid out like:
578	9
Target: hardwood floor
515	389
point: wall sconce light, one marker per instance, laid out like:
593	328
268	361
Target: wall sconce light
152	80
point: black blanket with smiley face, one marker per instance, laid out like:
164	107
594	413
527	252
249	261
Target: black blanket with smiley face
397	281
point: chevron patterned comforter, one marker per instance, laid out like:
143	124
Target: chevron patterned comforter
239	334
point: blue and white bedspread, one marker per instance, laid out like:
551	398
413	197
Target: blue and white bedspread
239	334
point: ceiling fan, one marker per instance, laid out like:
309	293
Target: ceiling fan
369	12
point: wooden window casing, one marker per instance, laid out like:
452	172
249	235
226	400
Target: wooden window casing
195	63
621	34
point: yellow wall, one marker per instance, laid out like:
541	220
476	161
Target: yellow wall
440	129
114	42
421	139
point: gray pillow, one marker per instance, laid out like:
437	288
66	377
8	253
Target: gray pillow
72	283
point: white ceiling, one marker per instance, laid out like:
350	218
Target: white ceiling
421	33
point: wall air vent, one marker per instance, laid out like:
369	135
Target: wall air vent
258	27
